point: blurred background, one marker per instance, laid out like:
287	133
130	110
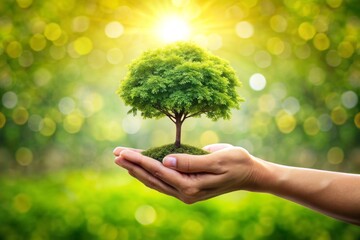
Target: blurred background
60	118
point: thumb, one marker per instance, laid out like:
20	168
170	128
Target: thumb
189	163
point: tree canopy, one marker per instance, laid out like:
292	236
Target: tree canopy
180	80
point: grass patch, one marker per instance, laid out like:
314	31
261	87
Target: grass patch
159	153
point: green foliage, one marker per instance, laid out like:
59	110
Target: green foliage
159	153
93	205
180	78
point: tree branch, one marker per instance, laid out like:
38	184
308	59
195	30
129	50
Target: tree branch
171	119
194	114
184	116
164	111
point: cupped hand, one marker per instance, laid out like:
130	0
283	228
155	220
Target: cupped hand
193	178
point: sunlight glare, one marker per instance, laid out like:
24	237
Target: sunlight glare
173	28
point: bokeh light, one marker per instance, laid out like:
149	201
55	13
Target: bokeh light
145	214
60	117
9	99
114	29
257	81
244	29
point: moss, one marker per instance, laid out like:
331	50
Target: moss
159	153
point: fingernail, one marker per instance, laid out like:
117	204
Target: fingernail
169	161
115	150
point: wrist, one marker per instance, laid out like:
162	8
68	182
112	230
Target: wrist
265	176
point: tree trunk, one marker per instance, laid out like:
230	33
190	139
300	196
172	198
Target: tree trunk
178	124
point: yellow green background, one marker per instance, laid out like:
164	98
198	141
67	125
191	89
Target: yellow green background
61	63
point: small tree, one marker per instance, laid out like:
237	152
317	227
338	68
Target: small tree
180	81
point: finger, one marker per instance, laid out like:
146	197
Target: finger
118	150
146	178
216	147
190	163
154	167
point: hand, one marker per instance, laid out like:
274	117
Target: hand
192	178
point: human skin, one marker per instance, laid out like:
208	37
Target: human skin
227	168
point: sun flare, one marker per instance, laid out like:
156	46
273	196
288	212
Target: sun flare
173	28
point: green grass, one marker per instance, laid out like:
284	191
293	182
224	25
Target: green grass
159	153
90	204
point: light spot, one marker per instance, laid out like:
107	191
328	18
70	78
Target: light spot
113	131
66	105
20	115
192	228
35	123
22	203
208	137
266	103
349	99
291	105
131	124
37	42
303	51
278	90
257	82
42	76
145	215
334	3
24	156
244	29
227	229
346	49
73	122
321	23
115	56
275	46
14	49
338	115
335	155
325	122
114	29
332	100
333	59
262	59
52	31
48	128
306	31
285	122
83	45
24	3
316	76
9	100
278	23
91	103
321	42
80	24
311	126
